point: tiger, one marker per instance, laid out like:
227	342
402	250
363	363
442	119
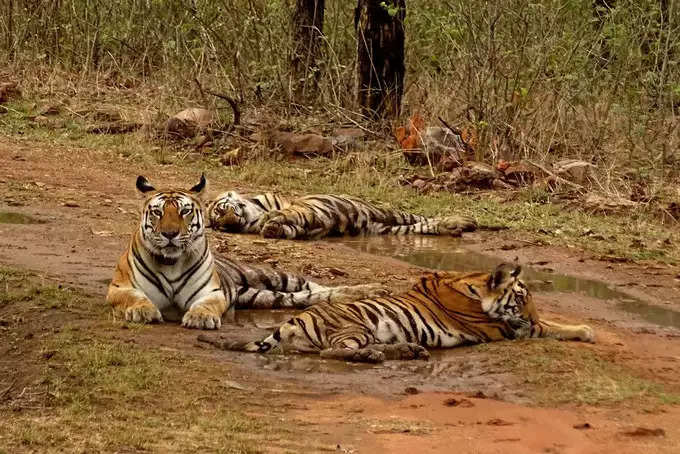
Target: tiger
442	310
317	216
169	269
231	212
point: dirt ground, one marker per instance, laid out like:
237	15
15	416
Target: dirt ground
85	208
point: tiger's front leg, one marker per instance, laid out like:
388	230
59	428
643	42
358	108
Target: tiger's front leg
206	312
132	304
548	329
128	301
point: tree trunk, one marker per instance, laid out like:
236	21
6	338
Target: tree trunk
10	30
307	25
380	47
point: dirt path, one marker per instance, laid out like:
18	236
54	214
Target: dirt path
84	207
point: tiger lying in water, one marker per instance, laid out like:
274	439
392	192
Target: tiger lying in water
317	216
442	310
169	268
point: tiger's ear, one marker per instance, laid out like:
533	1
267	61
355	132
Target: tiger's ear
503	275
199	189
143	185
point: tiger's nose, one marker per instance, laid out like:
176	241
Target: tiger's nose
170	234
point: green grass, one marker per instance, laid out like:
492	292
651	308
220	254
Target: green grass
555	373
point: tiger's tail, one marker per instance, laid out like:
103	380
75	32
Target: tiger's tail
265	345
262	346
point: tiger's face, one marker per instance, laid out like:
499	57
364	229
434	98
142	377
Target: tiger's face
503	296
172	220
230	212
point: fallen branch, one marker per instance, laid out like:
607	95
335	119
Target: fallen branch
232	102
556	177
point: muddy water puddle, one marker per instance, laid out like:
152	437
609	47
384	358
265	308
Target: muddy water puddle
448	254
460	369
11	217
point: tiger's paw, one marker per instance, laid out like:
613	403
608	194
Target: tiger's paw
272	229
144	312
455	225
405	351
201	318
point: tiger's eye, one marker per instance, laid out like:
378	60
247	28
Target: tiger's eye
156	212
185	211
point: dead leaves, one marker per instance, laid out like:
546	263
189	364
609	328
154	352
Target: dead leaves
442	148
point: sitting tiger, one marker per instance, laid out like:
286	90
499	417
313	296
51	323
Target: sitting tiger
318	216
442	310
168	268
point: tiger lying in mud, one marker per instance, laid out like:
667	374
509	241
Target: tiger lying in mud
317	216
442	310
169	268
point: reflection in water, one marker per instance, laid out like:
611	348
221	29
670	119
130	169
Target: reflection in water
262	318
447	254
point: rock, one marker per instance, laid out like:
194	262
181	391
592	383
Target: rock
301	144
188	123
337	272
574	170
498	422
645	432
71	204
463	403
411	390
582	426
203	118
347	137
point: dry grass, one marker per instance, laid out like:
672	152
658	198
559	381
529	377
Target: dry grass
555	373
70	387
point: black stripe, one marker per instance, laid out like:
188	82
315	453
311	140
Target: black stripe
195	265
409	316
151	277
258	203
303	326
200	287
317	330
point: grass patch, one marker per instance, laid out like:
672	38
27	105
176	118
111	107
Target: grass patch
557	373
83	392
114	397
25	291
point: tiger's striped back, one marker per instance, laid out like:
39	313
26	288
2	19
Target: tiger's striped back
319	215
442	310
